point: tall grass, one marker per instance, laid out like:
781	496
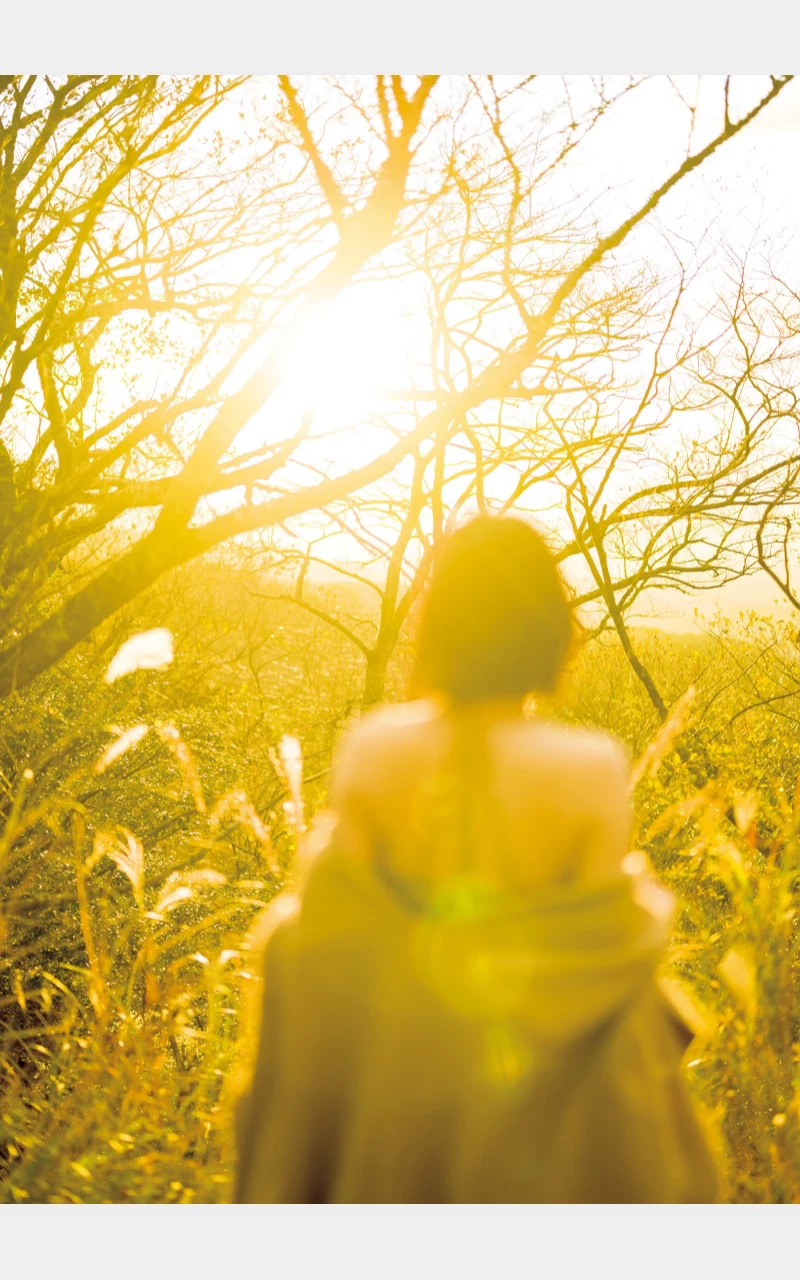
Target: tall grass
732	858
121	977
133	873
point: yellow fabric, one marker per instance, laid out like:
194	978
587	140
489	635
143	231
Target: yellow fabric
473	1046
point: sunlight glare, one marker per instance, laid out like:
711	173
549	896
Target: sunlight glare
349	356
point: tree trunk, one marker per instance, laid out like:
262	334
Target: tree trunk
375	676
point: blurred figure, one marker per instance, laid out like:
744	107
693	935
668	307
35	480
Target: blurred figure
462	1008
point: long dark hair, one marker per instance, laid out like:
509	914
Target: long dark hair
497	621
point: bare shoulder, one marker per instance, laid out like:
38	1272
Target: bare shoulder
590	753
580	777
392	716
382	730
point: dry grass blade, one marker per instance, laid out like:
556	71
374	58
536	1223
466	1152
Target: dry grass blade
288	764
125	739
661	744
236	806
180	886
169	734
149	650
127	853
738	972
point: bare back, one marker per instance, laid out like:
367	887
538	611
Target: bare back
482	790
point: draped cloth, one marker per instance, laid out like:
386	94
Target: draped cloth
471	1045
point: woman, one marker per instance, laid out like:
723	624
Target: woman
463	1007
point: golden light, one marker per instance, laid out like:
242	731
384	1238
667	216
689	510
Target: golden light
349	355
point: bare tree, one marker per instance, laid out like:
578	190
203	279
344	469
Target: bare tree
648	480
118	203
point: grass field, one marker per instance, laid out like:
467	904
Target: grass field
130	883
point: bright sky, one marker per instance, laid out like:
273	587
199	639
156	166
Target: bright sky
374	340
755	183
370	341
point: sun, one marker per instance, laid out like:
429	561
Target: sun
354	359
352	368
348	379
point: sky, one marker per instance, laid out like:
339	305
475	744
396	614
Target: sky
370	343
756	178
750	189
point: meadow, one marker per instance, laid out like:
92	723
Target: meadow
132	883
264	342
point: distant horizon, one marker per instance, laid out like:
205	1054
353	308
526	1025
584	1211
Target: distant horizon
754	593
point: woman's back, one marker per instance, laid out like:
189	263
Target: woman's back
468	1047
484	791
461	1003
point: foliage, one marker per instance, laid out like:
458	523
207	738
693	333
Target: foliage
132	883
176	477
